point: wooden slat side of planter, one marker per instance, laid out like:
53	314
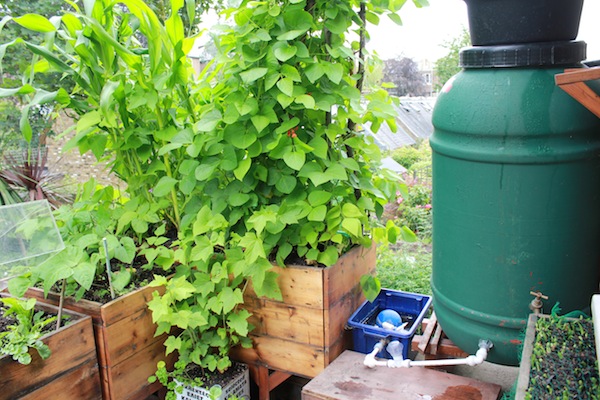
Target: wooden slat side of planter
343	292
303	333
122	337
79	383
73	352
129	379
525	366
272	318
346	276
283	355
337	337
124	331
300	285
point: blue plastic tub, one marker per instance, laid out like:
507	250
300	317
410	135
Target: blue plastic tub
365	333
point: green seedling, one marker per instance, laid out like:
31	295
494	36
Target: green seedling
26	332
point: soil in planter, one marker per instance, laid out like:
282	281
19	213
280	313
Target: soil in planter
563	361
6	321
100	290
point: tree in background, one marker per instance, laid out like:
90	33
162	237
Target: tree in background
17	58
162	8
404	74
446	67
16	62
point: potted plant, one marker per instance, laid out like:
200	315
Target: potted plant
559	359
203	304
282	176
63	364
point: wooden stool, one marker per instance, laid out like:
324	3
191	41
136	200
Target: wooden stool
347	378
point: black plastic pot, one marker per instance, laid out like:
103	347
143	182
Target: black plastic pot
494	22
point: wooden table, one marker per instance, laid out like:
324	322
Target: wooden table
348	379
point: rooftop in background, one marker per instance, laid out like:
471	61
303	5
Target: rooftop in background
414	124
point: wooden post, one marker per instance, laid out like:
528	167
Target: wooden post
265	380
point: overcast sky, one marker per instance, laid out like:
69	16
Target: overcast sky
425	29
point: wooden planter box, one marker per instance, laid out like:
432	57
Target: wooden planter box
525	366
126	347
71	371
306	331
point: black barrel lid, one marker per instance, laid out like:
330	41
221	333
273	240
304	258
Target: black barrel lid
540	54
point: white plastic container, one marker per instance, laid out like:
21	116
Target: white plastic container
596	319
239	386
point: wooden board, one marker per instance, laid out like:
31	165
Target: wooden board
127	350
78	383
573	81
129	379
433	343
73	359
348	379
303	333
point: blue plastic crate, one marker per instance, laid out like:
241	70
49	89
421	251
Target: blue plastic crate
365	333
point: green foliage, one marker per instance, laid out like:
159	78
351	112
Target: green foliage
446	67
9	125
131	231
25	334
11	139
203	304
414	210
373	73
406	267
8	195
258	160
412	206
407	156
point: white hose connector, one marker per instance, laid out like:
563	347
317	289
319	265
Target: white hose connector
370	360
472	360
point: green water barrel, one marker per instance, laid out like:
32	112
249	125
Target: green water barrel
516	195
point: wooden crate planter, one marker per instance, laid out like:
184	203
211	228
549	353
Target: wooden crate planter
71	372
523	380
305	332
125	343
